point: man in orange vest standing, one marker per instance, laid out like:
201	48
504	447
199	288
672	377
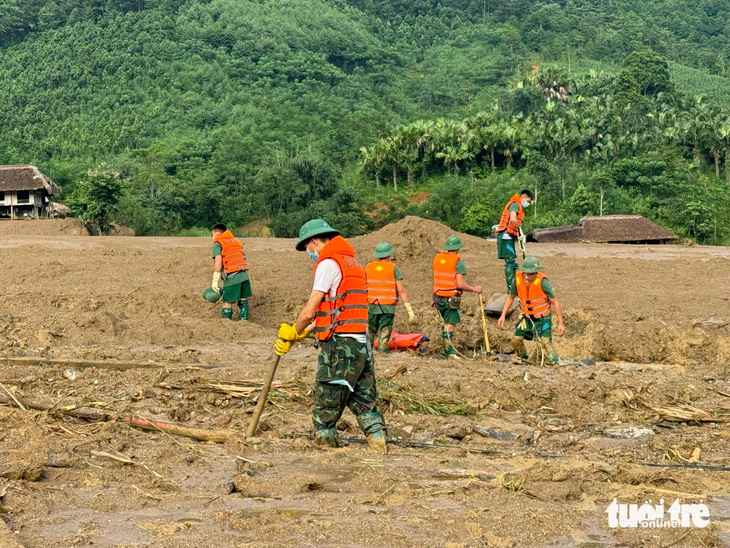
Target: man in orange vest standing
508	231
337	312
230	265
537	300
448	284
385	285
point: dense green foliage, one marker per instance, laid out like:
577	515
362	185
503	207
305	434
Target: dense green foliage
236	111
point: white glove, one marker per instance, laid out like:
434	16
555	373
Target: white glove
411	315
216	280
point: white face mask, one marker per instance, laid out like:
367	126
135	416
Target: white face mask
525	204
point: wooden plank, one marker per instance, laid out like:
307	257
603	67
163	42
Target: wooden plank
118	366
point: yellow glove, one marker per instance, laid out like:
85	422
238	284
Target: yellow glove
289	333
282	347
411	315
216	280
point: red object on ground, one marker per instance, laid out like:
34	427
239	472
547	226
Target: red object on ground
404	341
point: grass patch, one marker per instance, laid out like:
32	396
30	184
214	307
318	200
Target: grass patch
397	397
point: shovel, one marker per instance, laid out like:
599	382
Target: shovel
484	325
262	398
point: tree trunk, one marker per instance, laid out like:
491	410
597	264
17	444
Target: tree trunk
716	154
377	178
395	176
410	178
492	153
601	210
727	165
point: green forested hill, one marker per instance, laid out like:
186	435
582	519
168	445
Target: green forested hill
241	110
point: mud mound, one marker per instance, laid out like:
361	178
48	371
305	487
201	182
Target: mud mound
414	239
43	227
119	230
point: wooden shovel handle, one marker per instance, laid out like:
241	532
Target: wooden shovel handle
262	398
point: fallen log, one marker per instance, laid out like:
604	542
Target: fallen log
93	414
218	436
118	366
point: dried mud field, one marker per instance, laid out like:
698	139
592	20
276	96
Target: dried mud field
487	452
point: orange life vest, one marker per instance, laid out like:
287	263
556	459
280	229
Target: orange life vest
533	301
232	252
347	311
444	274
381	282
504	221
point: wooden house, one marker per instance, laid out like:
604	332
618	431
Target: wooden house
25	193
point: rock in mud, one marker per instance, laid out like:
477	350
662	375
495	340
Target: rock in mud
501	430
629	433
455	431
587	361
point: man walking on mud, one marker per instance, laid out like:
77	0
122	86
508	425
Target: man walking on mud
537	300
448	284
229	264
508	232
385	286
337	312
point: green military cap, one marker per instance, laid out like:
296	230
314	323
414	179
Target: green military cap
531	265
453	243
210	295
310	229
383	250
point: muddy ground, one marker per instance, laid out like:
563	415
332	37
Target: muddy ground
557	444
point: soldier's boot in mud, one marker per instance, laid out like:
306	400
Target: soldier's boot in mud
384	339
549	349
449	350
372	425
518	344
328	438
243	309
227	313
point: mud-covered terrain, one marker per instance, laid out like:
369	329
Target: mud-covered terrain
534	454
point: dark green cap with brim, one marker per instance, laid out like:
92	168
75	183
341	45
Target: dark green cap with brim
310	229
531	265
453	243
383	250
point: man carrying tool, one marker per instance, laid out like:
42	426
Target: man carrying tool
448	284
385	285
508	232
337	312
229	264
537	299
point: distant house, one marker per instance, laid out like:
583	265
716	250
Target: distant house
610	229
25	192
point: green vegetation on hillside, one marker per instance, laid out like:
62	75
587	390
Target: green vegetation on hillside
237	111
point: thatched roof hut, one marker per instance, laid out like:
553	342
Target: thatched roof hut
627	229
26	178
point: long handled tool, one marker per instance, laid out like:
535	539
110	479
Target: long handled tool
484	324
521	240
262	398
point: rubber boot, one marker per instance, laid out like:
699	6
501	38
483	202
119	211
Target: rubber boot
549	349
383	339
449	350
243	309
327	438
373	426
227	313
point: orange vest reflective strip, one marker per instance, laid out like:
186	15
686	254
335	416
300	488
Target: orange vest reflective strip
347	311
504	223
381	283
444	274
533	301
231	252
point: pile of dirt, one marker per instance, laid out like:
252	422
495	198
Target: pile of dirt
43	227
415	240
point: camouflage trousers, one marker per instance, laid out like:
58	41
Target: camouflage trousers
345	378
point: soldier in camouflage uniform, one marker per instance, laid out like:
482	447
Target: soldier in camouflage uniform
337	312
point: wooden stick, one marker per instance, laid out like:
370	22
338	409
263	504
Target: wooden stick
12	396
119	366
262	398
218	436
484	324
